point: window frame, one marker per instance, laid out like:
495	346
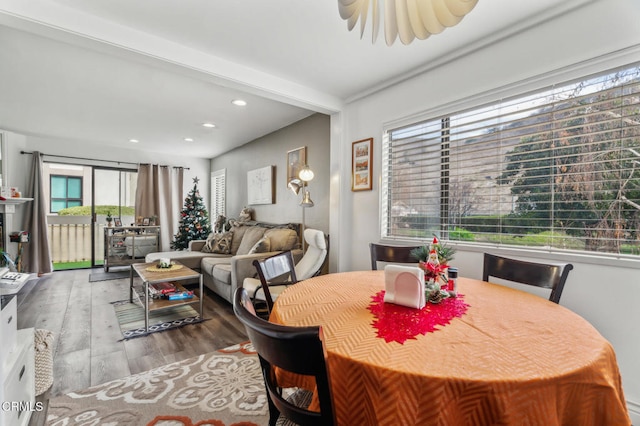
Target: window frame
66	200
218	193
574	74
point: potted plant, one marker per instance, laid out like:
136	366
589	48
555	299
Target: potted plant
109	219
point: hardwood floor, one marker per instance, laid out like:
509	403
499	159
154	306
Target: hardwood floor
88	349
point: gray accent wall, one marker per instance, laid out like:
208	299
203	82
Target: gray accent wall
271	150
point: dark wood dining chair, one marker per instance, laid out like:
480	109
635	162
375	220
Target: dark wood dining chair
391	254
279	270
298	350
550	276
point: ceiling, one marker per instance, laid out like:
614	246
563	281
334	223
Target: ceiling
107	71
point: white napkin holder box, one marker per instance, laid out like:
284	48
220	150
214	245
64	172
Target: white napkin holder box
404	285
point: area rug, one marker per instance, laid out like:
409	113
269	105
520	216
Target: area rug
131	318
96	276
222	388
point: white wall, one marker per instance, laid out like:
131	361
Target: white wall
606	34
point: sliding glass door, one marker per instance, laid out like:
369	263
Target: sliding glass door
114	193
79	199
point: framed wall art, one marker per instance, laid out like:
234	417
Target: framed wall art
296	159
260	186
361	166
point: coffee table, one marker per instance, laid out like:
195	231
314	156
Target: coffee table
151	274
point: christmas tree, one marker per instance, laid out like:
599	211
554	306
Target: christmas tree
194	220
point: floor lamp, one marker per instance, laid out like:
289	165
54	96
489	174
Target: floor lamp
301	183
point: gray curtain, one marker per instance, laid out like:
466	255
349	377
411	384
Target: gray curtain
37	257
159	193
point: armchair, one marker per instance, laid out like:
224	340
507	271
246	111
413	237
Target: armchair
311	264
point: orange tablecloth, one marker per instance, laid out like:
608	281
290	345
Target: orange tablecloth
512	359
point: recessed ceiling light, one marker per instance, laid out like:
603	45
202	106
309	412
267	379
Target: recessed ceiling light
209	125
239	102
134	140
188	139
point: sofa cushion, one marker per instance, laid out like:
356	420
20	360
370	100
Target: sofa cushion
282	239
196	245
190	259
222	272
252	235
262	246
218	243
238	234
208	263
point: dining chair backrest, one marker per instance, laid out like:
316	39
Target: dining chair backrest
391	254
297	350
315	255
279	267
549	276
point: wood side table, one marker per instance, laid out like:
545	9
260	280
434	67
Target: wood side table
151	274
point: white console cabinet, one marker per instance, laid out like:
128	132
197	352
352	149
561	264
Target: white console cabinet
17	393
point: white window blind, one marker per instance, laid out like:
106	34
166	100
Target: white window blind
218	193
558	168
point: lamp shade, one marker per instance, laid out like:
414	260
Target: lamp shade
306	174
306	200
294	185
406	19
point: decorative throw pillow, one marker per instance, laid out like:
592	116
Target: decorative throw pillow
282	239
262	246
218	243
251	236
208	244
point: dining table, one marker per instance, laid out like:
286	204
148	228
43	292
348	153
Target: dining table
493	355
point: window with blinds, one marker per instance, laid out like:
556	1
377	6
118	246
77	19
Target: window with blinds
559	168
218	193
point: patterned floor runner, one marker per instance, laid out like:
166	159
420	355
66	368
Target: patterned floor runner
131	318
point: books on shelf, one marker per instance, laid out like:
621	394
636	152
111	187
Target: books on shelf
162	288
158	290
180	295
167	290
